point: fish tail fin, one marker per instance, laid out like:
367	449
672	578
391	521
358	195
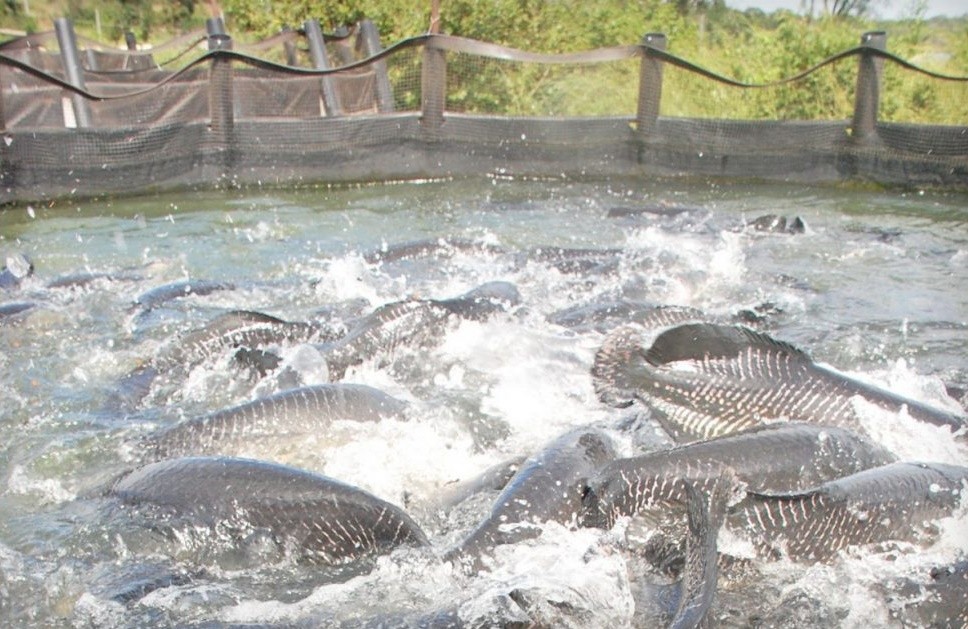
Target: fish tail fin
619	367
705	513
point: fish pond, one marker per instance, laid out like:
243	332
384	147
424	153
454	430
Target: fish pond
873	284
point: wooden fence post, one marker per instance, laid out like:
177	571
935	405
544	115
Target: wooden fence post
433	86
3	119
867	96
317	50
370	38
67	42
288	47
650	86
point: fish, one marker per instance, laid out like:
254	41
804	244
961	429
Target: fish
412	323
704	380
774	224
427	248
549	486
332	522
608	315
895	502
705	515
244	329
943	600
780	457
160	295
290	416
12	311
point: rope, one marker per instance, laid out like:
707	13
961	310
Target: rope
859	50
474	47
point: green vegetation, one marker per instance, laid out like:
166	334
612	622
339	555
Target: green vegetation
748	46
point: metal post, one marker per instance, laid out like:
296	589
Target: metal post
867	96
218	38
3	120
220	93
92	63
72	69
289	47
650	85
433	86
343	49
370	38
317	50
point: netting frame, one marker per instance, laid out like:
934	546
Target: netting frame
430	142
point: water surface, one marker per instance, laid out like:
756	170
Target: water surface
877	286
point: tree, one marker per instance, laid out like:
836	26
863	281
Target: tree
843	8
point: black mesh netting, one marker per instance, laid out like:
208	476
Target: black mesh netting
193	113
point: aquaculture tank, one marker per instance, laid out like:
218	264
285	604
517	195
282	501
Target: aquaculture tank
403	399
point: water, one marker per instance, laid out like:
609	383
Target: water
876	287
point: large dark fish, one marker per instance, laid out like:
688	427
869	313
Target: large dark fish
235	329
774	224
548	487
334	523
606	316
289	416
704	380
168	292
782	457
238	328
940	601
9	312
662	210
494	478
412	323
428	248
895	502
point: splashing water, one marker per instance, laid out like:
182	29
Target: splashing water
892	313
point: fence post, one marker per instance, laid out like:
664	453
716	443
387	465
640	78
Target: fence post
370	38
343	49
867	95
220	94
317	51
72	70
433	86
289	47
218	38
650	85
92	62
3	119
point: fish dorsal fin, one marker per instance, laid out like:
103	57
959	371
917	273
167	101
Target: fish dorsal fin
698	341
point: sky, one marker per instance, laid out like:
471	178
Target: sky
885	9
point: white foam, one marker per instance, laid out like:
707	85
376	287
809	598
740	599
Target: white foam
47	490
563	569
394	459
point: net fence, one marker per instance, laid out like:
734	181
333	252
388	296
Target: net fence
82	118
